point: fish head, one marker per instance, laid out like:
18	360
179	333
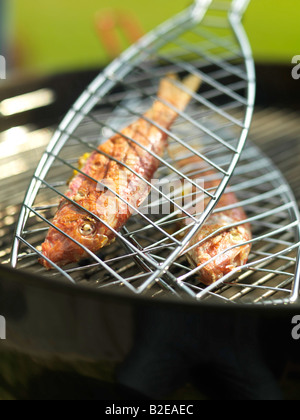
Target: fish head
75	234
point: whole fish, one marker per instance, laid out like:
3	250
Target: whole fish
213	247
112	183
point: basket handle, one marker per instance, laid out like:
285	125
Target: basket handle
200	8
239	7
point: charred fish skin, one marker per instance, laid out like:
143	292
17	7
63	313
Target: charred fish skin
125	164
222	252
223	243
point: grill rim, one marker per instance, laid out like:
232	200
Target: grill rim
22	279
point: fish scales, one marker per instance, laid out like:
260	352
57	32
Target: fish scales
122	164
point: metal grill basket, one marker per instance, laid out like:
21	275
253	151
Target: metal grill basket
148	257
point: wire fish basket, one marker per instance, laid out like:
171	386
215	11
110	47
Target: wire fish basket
206	40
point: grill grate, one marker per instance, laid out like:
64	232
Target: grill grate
268	277
206	40
271	280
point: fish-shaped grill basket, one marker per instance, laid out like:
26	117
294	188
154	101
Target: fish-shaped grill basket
148	185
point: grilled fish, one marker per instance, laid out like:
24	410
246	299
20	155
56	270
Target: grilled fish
214	247
101	198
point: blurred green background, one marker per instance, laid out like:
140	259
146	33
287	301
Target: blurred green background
58	35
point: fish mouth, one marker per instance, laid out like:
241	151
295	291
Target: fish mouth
61	251
59	256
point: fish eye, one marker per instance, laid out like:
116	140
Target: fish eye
87	229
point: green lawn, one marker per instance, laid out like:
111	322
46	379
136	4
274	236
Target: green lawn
60	34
